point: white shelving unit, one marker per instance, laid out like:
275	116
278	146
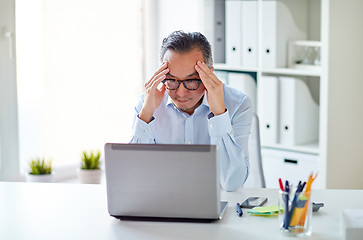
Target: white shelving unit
324	25
277	71
337	84
273	66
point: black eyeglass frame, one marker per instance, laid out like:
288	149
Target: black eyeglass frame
184	83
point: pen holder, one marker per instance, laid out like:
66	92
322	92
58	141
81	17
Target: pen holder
295	214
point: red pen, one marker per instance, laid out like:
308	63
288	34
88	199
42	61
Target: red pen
281	185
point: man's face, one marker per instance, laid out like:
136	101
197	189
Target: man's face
181	67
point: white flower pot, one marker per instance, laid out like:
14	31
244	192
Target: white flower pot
90	175
39	178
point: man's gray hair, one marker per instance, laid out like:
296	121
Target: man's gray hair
182	42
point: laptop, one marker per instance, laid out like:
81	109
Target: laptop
163	182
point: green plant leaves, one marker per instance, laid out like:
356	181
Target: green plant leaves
90	161
40	167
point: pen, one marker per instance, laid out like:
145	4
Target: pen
293	204
286	195
281	186
295	218
239	210
311	179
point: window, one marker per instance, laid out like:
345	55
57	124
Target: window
79	75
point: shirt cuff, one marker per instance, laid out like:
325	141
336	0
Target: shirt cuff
220	125
143	130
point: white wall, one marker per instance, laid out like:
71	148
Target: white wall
166	16
345	98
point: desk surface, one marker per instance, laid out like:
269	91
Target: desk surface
79	211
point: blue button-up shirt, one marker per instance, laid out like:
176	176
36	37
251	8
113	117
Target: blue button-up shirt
229	131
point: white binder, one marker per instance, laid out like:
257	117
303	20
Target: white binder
269	34
249	33
222	75
244	83
233	33
278	27
299	113
268	109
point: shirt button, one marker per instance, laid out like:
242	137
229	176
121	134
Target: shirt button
146	130
211	125
189	142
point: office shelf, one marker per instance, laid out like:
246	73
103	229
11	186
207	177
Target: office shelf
225	67
312	147
275	71
292	71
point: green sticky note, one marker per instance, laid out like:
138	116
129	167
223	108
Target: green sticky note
264	215
268	209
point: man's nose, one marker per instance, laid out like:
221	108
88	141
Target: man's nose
182	90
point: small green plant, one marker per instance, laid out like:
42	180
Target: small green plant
90	161
40	167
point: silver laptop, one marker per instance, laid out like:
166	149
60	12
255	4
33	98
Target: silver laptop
163	182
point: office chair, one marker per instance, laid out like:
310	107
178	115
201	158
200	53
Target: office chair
256	177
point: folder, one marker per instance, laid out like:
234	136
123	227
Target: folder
281	22
299	112
222	75
245	83
219	45
233	33
268	109
249	33
269	9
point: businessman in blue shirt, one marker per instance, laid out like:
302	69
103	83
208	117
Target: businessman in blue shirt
192	106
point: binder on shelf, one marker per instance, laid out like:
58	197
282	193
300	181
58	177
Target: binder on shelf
299	113
249	33
233	33
268	109
282	21
219	44
245	83
222	75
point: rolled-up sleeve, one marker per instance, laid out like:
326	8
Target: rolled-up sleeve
230	132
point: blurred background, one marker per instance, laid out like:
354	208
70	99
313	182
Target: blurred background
71	72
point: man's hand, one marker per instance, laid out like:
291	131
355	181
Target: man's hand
213	86
153	95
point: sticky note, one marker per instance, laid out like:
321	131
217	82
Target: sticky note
272	208
267	211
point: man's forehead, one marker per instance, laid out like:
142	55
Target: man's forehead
194	74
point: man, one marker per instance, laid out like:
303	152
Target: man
192	106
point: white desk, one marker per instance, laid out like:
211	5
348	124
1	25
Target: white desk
76	211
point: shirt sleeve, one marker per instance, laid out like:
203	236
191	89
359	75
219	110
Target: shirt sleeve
142	132
230	132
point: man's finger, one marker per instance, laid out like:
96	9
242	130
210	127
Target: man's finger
208	83
157	81
163	66
157	77
209	72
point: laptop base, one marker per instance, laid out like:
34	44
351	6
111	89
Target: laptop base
168	219
165	219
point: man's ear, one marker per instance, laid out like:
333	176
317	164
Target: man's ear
212	69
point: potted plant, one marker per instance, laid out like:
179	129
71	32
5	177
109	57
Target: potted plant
40	171
90	171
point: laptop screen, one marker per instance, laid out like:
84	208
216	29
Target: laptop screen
162	180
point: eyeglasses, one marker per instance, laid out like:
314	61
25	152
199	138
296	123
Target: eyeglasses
190	84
